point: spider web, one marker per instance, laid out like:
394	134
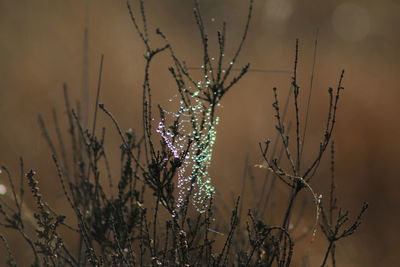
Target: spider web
191	140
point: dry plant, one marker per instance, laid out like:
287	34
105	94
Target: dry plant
148	219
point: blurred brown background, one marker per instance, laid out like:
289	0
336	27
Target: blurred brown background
41	46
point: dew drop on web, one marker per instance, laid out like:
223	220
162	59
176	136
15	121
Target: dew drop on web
3	189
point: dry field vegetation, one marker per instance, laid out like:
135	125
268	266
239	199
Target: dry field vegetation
160	205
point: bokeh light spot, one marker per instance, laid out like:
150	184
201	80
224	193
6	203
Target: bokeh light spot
351	22
278	10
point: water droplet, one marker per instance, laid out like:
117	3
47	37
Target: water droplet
3	189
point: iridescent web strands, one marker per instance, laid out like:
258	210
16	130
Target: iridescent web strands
191	140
